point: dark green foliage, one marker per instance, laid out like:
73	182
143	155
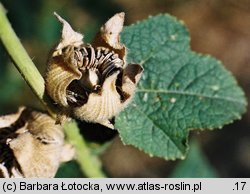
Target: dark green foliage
179	91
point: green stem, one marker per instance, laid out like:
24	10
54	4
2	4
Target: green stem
36	82
91	167
22	61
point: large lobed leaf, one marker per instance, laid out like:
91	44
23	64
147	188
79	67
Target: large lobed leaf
180	90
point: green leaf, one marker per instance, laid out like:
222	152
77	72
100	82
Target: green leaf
180	90
69	170
194	166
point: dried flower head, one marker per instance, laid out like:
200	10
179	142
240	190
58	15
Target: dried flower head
31	145
92	82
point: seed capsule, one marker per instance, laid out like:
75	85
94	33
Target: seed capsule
31	145
92	81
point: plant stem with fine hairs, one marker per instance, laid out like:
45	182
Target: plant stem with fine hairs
22	61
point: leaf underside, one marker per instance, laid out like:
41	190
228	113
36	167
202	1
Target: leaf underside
180	90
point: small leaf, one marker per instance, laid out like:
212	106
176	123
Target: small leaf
179	91
194	166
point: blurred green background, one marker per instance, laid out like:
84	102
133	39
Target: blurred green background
217	27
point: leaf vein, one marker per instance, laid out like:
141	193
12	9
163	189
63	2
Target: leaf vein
191	94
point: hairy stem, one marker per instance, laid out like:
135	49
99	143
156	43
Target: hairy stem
36	82
22	61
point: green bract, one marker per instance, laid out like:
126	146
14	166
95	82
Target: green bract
180	90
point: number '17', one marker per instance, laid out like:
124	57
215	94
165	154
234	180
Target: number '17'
240	185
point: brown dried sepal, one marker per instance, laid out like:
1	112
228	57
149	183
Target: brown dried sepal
109	35
31	145
92	81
